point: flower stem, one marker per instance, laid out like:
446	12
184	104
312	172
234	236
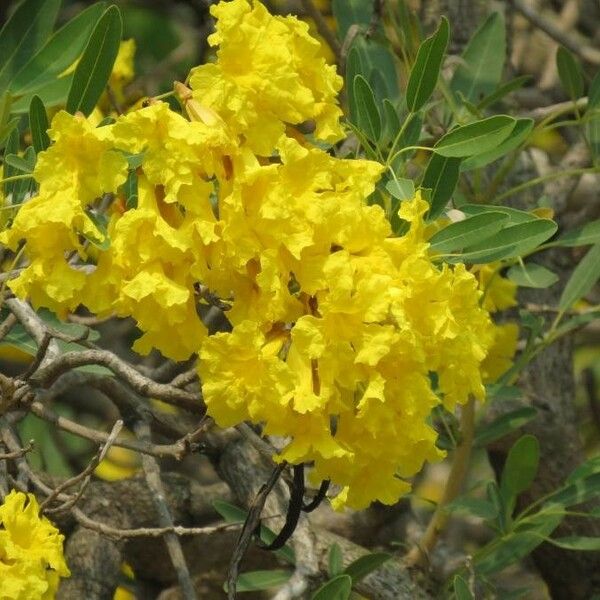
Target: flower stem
418	555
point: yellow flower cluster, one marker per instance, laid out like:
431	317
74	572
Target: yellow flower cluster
31	551
343	337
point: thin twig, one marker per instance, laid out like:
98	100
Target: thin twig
419	554
33	325
250	525
18	453
12	274
153	532
556	110
38	358
587	53
7	393
158	450
152	475
376	18
7	325
185	378
85	475
138	382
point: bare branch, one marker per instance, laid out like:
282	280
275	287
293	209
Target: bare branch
33	325
587	53
85	475
152	474
138	382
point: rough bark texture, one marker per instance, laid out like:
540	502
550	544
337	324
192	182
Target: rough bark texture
95	560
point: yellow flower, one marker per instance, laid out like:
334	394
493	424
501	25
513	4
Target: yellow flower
123	69
269	72
77	169
31	551
82	160
500	355
499	292
145	274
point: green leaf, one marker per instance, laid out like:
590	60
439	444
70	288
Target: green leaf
19	338
7	129
515	216
441	177
577	492
378	67
480	70
335	561
517	136
354	67
476	507
96	63
379	86
351	12
5	105
474	138
59	53
412	131
577	321
100	221
594	93
25	31
46	455
12	147
52	94
499	391
582	236
461	589
511	548
234	514
569	72
25	187
38	125
589	467
426	70
503	90
532	276
576	542
19	163
521	467
391	122
366	564
130	190
369	120
468	232
338	588
401	189
497	501
582	279
510	242
504	425
254	581
592	131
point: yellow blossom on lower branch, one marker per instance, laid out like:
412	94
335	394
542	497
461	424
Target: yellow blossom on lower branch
31	551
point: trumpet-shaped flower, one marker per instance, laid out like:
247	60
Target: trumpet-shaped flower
31	551
269	72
